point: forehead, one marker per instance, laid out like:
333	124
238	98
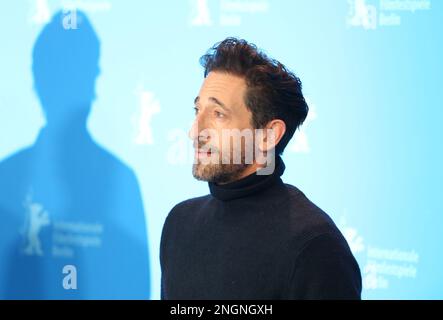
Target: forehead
223	86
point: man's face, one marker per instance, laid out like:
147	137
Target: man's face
220	110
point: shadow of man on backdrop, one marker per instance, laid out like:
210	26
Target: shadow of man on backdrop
65	201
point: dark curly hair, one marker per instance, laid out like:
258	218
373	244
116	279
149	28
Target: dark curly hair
273	92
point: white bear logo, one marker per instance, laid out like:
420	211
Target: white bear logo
37	218
201	15
362	14
41	13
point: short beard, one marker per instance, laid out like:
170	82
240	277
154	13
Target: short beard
218	173
223	171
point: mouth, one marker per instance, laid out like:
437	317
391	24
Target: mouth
201	153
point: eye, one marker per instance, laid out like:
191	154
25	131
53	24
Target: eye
196	110
219	114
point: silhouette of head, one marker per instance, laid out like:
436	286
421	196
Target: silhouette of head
65	67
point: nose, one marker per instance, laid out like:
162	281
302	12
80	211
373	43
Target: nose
197	126
193	132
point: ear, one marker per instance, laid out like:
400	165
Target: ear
272	135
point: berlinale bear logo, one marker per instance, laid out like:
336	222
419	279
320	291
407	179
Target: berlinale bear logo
362	15
36	219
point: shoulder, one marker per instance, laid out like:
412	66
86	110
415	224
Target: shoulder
187	208
102	159
318	248
191	203
14	167
331	244
325	269
17	158
185	211
305	219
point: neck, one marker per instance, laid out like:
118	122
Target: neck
252	181
68	130
67	123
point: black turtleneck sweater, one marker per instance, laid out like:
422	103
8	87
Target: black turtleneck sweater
256	238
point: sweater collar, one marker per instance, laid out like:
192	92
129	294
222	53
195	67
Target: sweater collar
249	185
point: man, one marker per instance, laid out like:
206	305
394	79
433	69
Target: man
253	237
65	200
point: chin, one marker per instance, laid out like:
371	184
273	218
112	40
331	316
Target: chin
218	173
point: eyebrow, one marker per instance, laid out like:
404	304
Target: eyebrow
213	100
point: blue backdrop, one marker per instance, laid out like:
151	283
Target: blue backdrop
90	187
